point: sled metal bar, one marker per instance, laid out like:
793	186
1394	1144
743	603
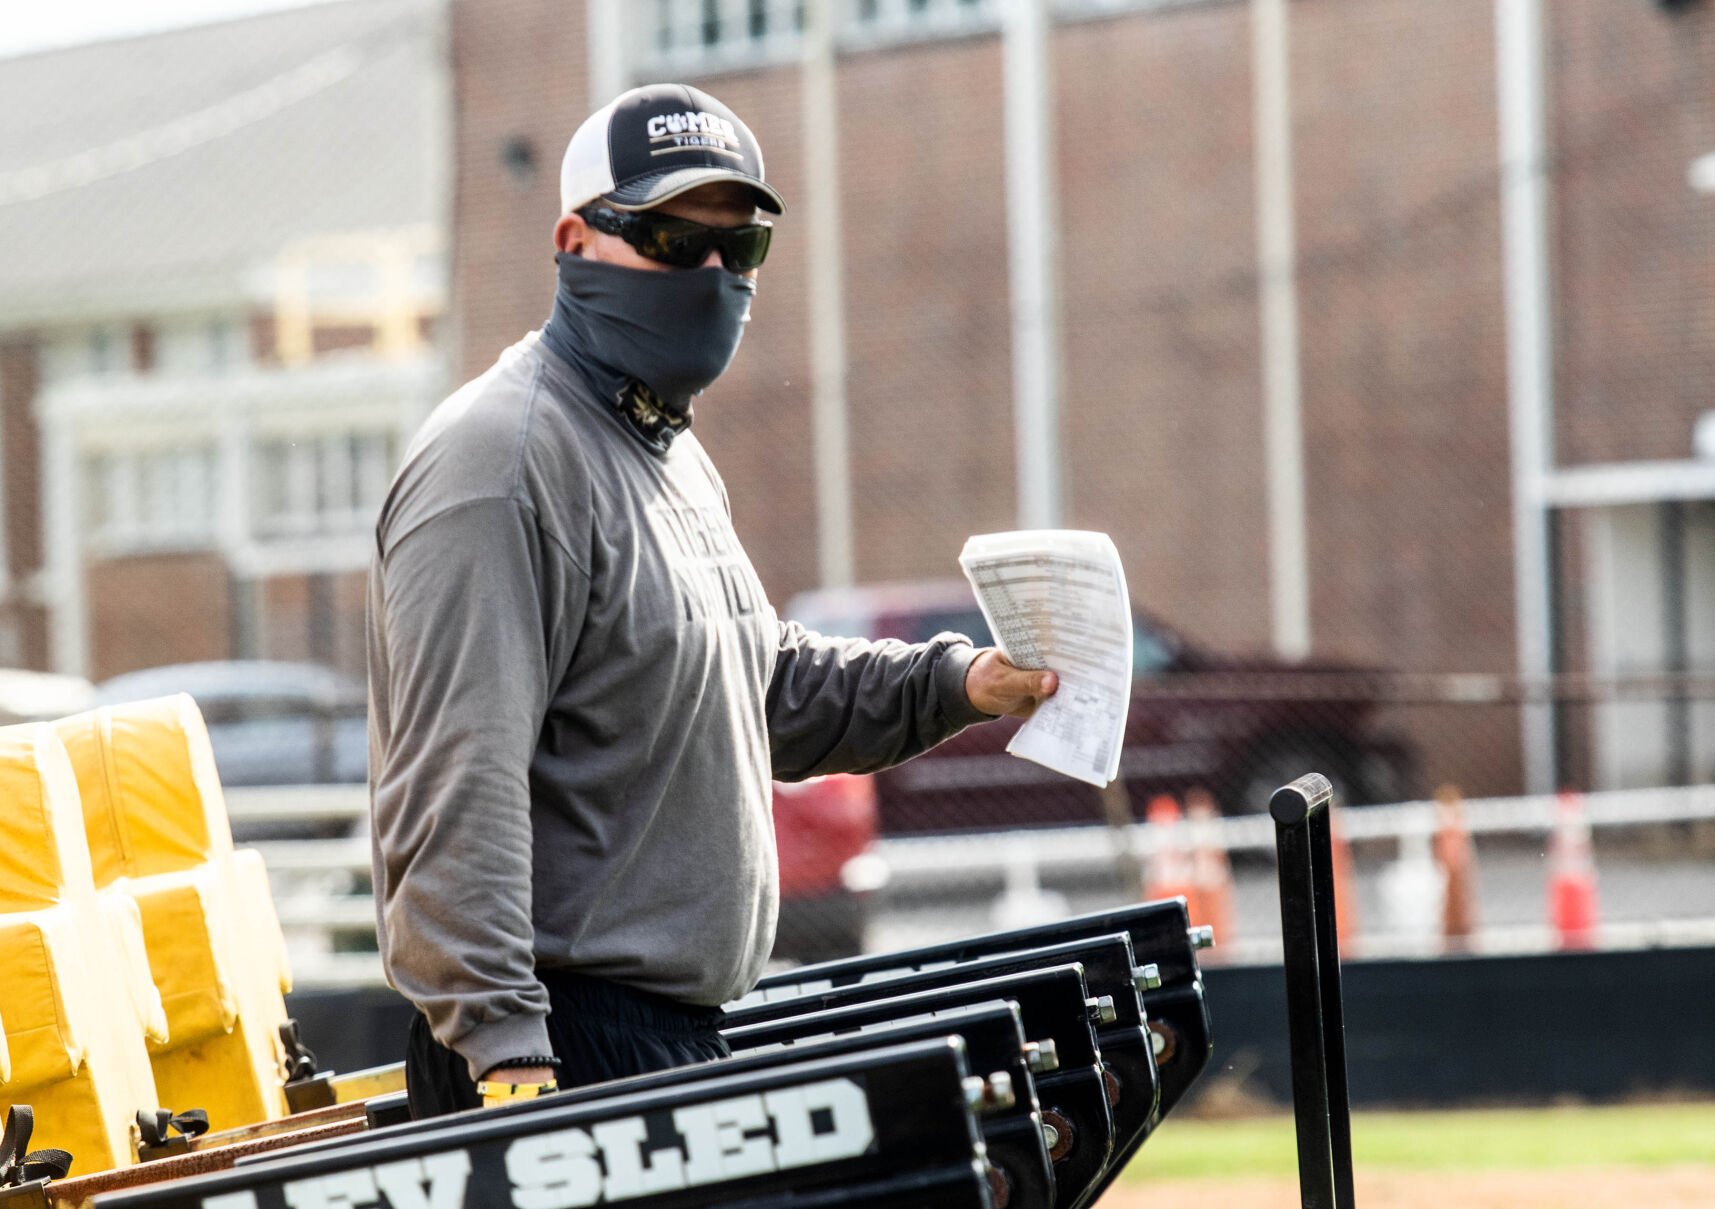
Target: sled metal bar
1316	1021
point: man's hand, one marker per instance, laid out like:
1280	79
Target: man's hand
995	686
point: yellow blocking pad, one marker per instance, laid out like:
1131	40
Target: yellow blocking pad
75	1098
262	923
125	929
75	1047
44	976
158	829
151	796
184	926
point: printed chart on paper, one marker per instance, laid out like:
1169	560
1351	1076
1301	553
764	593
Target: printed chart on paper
1056	598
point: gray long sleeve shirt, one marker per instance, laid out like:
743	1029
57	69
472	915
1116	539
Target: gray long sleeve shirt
578	696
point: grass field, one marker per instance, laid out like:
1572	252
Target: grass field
1651	1135
1657	1156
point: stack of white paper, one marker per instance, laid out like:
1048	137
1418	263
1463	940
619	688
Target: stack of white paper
1056	598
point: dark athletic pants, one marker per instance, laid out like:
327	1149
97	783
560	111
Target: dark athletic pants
600	1030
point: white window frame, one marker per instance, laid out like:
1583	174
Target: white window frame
153	499
332	482
685	51
918	21
895	22
198	344
88	423
69	354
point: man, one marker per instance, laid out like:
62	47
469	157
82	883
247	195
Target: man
578	690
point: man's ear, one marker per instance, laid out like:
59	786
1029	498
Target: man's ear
570	233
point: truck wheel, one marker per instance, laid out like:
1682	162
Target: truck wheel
1287	762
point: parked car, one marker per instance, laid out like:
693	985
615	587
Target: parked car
27	696
1238	748
270	723
274	723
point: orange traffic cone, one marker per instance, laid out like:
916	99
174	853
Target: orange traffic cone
1345	885
1211	872
1457	857
1167	873
1572	875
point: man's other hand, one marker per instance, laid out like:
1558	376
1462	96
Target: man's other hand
996	687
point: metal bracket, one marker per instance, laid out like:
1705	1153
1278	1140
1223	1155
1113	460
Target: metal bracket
32	1195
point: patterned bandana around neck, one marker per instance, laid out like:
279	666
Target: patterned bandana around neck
647	341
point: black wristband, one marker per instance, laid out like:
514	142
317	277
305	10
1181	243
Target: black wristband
536	1061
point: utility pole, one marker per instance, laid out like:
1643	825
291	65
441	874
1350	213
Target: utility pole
605	51
836	556
1530	361
1282	375
1033	247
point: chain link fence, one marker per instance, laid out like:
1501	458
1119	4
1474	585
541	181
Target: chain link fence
242	261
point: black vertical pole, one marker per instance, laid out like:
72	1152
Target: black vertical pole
1333	1003
1316	1025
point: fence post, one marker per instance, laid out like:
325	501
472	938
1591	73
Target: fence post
1321	1104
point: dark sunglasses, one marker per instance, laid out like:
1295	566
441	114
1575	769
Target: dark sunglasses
682	243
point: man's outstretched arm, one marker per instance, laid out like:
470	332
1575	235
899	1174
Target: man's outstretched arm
853	705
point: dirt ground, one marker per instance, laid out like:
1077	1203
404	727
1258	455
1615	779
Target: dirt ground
1682	1187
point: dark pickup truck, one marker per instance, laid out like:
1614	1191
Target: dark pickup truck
1199	720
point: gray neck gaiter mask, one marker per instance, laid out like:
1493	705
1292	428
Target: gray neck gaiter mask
647	341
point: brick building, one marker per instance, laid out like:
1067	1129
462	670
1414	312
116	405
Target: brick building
222	290
1400	290
221	273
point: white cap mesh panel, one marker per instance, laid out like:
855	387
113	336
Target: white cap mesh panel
587	170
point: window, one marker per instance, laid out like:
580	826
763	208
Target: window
676	36
153	499
314	486
200	344
913	17
89	352
718	32
714	34
105	352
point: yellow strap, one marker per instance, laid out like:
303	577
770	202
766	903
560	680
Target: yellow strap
505	1093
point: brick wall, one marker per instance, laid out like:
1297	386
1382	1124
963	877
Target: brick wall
20	446
1403	327
755	420
158	609
1163	413
314	619
1404	354
19	380
926	271
150	610
1632	104
518	69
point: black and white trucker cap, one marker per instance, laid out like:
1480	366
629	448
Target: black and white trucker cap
654	143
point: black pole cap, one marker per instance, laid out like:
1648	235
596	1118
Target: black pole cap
1296	802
